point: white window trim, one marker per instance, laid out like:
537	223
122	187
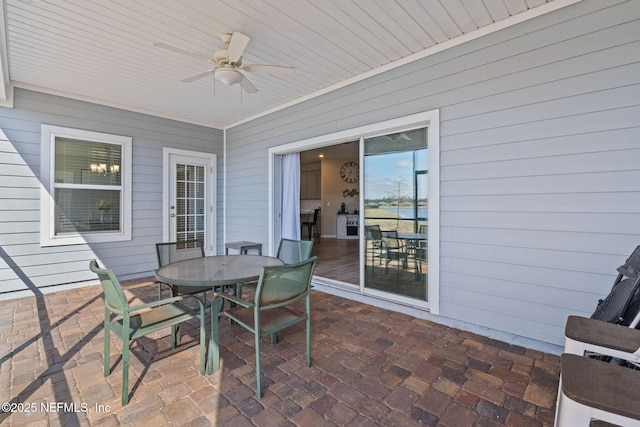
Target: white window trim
429	119
47	200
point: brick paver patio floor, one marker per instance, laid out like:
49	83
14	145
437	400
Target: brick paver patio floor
370	366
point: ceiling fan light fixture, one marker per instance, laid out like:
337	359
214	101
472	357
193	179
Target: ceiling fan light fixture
228	76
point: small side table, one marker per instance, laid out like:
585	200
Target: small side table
242	247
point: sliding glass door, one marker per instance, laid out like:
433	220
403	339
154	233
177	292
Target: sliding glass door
395	214
395	201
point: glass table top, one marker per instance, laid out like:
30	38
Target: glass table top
215	270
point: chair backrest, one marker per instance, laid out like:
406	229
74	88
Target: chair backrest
631	267
114	296
293	251
316	212
631	271
178	251
391	240
373	232
622	304
283	284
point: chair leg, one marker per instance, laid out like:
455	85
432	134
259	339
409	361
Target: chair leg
175	336
258	365
107	349
202	343
125	370
308	338
214	342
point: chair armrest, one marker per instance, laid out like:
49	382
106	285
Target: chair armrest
138	285
605	338
166	301
234	299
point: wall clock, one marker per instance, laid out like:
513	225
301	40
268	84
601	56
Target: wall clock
349	172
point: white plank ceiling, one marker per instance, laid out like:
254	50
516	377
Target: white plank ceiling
103	51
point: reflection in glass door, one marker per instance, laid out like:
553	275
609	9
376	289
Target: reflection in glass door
396	214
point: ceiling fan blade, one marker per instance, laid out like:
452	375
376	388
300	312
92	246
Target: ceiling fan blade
181	51
237	45
247	86
198	76
270	69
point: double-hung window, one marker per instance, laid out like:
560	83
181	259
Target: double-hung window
86	191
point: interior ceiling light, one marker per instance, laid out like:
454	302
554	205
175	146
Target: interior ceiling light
228	76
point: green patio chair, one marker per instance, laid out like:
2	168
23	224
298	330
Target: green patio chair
179	251
290	252
393	249
131	323
278	287
373	243
293	251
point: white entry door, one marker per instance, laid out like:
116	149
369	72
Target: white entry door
189	201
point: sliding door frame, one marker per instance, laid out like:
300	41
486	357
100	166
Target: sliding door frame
430	120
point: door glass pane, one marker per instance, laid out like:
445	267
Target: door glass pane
395	211
190	202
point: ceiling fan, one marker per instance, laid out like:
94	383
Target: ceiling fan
228	63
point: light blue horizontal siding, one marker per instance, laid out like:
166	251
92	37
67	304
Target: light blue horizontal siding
23	263
540	178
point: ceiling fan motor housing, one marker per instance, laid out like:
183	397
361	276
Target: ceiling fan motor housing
221	58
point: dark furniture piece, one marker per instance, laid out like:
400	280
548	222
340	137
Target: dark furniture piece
310	225
614	307
393	249
416	247
373	244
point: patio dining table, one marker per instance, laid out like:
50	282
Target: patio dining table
414	247
215	271
412	236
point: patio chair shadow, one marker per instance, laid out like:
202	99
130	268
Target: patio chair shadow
147	352
55	360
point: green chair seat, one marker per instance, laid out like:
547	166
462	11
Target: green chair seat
154	320
270	320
